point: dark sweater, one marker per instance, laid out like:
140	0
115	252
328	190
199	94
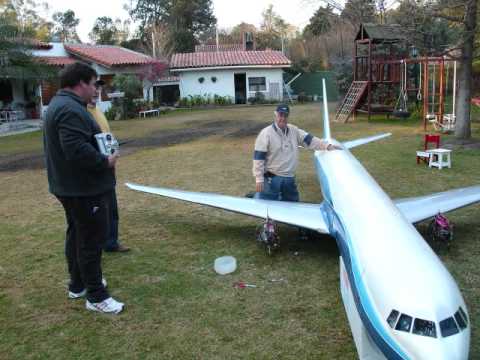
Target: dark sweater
75	167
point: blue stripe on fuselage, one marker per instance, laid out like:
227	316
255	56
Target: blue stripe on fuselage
365	308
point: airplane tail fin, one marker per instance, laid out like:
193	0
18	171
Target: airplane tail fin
326	125
362	141
326	121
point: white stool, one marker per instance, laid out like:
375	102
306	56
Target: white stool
440	153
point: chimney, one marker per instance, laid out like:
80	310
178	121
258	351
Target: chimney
248	42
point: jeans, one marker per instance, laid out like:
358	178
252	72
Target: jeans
280	188
112	237
87	228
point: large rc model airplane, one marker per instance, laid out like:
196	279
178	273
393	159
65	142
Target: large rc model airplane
401	301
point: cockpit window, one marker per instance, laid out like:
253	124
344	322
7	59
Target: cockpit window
463	315
404	323
460	320
392	318
424	328
448	327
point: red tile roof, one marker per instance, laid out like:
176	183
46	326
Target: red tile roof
56	60
109	55
228	58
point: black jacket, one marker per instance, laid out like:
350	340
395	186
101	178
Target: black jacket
75	167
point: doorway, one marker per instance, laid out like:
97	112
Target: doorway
240	88
166	94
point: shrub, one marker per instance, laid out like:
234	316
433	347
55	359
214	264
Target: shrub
110	114
259	98
132	87
204	100
115	112
302	97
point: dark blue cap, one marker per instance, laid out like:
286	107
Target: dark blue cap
283	108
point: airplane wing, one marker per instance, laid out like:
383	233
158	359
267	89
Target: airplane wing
362	141
293	213
420	208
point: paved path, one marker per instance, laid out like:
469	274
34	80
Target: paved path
20	127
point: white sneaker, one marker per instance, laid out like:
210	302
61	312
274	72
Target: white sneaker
73	295
107	306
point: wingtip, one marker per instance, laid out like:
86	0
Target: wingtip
130	185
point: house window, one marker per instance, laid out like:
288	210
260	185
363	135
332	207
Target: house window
257	84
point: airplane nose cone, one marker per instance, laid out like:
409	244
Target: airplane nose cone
455	347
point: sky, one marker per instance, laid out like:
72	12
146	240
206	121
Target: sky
228	12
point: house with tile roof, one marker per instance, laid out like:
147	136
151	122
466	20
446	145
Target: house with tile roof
107	60
238	72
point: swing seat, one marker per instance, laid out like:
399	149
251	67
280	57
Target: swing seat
447	125
402	114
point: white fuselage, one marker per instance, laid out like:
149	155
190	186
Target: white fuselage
389	264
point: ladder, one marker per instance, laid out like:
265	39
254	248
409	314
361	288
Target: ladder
351	100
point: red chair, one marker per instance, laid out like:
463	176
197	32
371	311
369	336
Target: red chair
429	139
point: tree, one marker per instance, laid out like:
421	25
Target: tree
274	30
184	20
16	59
65	24
132	88
359	11
430	35
123	30
321	22
462	14
104	31
24	15
445	27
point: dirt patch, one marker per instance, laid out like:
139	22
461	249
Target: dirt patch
171	137
30	161
251	129
161	138
456	144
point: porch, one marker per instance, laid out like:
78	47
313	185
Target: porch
20	99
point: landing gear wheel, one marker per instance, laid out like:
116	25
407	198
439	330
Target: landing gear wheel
440	231
267	237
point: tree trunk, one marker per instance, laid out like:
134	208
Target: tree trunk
463	128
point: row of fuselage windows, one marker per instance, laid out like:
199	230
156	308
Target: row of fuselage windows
449	326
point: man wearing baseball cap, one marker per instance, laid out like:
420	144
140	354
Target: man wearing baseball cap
276	157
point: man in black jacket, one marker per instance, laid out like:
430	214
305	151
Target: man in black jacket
82	179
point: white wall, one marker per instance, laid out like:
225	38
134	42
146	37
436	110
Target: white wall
224	86
272	76
18	90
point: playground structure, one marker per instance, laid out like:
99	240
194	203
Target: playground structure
388	76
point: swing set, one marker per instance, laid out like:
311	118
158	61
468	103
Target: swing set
434	95
436	81
386	80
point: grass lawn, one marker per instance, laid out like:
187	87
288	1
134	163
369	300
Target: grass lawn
176	306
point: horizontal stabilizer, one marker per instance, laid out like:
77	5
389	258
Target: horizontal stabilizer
362	141
293	213
423	207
